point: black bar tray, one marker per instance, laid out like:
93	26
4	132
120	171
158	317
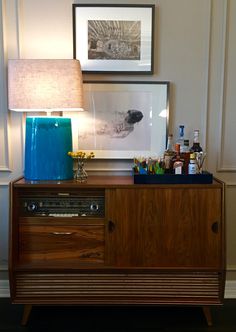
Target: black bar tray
204	178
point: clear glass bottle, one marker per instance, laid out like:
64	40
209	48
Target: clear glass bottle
192	167
180	139
196	145
169	154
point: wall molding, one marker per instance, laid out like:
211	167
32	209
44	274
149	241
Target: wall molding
205	118
230	289
223	85
5	158
4	184
4	288
231	184
5	169
224	71
18	4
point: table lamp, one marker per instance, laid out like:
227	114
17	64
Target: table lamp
46	86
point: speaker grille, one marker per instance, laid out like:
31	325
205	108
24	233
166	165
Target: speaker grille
118	288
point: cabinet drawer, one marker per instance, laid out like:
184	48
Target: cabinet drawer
61	244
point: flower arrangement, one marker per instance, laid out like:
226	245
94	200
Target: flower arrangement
80	173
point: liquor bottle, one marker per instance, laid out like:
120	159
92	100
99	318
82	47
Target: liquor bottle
192	167
169	154
180	139
196	145
177	161
185	155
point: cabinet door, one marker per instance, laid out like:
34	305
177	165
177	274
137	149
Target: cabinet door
165	227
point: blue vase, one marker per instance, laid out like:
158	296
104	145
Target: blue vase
47	143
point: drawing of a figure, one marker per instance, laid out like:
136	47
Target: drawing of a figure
122	124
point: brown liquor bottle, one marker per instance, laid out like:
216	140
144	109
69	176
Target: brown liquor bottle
177	161
185	154
169	154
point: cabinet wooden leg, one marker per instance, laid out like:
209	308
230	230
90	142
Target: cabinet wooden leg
207	313
26	313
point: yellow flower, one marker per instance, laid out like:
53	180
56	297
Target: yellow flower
81	155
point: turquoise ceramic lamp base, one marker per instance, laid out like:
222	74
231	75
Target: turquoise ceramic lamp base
47	142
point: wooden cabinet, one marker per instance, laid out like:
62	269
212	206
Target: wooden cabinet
109	241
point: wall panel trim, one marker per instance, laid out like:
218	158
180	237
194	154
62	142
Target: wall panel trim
5	158
207	77
4	184
4	288
224	70
230	289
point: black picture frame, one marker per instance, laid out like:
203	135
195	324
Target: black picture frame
114	39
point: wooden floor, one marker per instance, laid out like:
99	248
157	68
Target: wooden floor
117	319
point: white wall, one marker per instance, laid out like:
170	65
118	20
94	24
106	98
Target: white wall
194	49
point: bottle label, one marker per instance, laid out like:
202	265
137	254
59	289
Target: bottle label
167	160
178	170
192	169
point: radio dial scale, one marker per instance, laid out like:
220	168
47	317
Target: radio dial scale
83	204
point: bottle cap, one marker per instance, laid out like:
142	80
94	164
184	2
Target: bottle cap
181	130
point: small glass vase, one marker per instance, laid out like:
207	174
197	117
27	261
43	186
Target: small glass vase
80	174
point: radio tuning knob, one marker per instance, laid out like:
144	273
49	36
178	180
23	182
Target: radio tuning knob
31	207
94	207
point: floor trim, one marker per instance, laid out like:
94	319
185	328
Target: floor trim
230	289
4	288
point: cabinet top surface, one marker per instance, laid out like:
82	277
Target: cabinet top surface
107	182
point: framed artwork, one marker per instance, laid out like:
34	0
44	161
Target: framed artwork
124	119
114	38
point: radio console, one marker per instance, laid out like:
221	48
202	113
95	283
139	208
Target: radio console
65	204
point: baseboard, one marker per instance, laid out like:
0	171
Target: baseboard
4	288
230	289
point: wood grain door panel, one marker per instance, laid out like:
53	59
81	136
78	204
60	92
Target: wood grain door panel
53	244
164	228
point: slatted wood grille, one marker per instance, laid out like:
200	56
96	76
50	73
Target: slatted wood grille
122	288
